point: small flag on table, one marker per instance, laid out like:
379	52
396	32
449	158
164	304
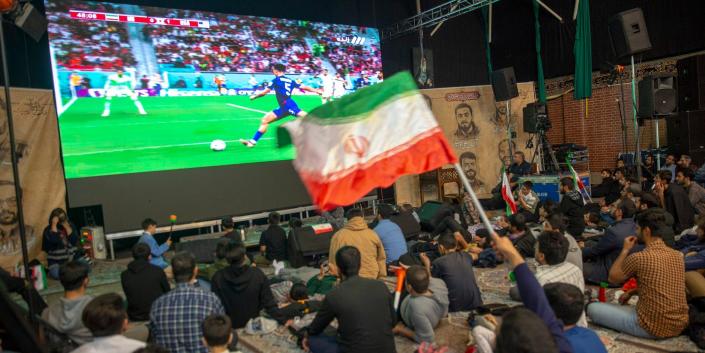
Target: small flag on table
507	194
366	140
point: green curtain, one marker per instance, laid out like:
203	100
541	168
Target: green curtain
540	83
583	53
486	30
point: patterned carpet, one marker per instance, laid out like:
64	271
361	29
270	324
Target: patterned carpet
452	332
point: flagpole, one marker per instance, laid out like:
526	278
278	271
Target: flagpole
475	201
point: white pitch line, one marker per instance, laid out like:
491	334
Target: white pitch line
147	122
149	148
245	108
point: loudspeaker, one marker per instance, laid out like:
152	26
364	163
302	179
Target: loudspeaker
657	96
426	213
304	242
685	136
31	21
408	224
691	83
504	84
533	115
202	247
628	34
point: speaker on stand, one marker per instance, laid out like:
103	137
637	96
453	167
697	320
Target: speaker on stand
504	87
657	99
629	36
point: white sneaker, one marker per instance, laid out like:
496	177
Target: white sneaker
248	143
105	113
278	267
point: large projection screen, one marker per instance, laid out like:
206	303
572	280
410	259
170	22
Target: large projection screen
143	92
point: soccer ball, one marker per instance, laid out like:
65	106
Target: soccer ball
218	145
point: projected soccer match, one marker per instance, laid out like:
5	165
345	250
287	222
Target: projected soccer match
142	89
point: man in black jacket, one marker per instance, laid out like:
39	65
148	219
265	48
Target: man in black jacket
243	290
609	188
272	243
675	200
363	308
649	201
572	207
142	283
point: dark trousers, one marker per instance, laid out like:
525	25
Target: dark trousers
323	344
28	293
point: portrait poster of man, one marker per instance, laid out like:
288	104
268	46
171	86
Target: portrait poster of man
469	118
40	171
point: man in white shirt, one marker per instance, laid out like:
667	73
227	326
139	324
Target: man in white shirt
106	318
327	84
339	86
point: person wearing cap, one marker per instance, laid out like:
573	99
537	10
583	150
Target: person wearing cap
600	257
390	234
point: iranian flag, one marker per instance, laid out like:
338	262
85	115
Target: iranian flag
578	182
507	195
366	140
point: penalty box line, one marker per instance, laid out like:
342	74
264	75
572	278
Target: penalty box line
117	150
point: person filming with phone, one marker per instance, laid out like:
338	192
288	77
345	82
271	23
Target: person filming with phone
59	242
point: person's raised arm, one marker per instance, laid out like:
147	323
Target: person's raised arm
617	274
532	294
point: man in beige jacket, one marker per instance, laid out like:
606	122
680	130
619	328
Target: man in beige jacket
356	233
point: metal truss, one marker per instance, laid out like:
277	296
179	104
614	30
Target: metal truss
433	16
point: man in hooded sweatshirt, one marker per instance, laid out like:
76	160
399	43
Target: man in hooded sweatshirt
244	290
356	233
142	283
65	315
572	207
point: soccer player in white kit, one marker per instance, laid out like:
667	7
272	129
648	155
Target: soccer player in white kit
119	84
327	84
339	86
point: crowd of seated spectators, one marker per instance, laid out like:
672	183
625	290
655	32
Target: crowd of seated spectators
647	236
88	44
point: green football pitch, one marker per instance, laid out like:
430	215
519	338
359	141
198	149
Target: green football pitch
176	133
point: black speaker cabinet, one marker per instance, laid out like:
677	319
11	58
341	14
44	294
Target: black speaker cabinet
532	113
504	84
691	83
685	134
657	96
628	33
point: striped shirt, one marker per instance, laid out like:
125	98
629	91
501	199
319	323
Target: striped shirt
176	318
564	272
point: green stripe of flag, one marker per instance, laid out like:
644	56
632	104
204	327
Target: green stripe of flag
365	100
358	105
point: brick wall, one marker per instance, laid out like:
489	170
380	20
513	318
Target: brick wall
600	129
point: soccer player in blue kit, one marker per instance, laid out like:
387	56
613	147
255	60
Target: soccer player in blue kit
283	87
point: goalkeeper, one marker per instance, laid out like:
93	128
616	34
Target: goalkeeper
119	85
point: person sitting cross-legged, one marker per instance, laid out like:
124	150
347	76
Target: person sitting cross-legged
65	314
363	308
662	310
142	283
106	317
244	290
567	302
176	317
356	233
424	307
600	256
455	269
